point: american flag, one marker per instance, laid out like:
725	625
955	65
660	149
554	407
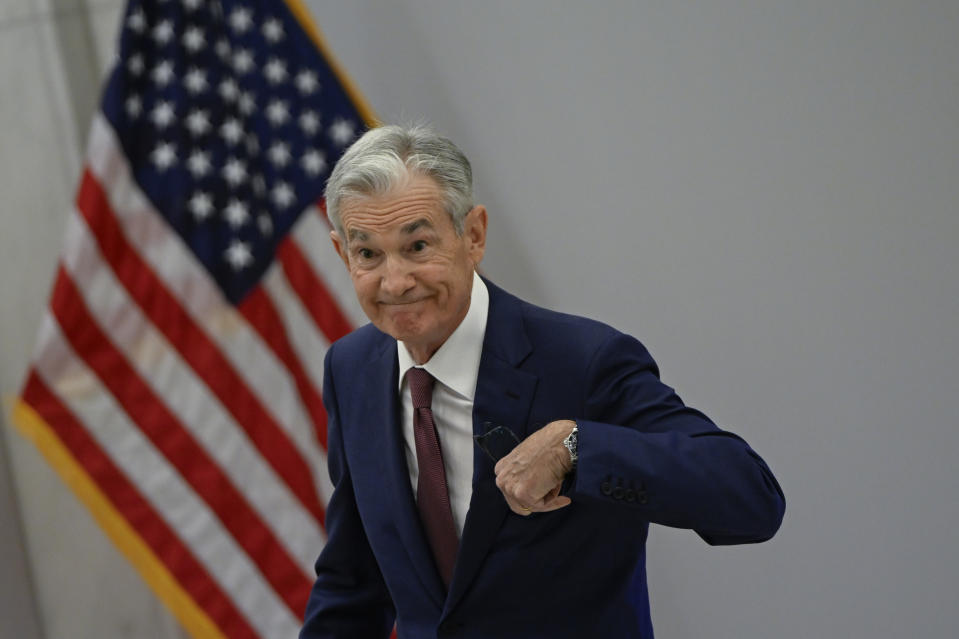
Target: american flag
176	381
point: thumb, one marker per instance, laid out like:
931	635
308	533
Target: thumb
555	504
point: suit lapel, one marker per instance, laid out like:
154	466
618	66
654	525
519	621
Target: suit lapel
504	395
385	414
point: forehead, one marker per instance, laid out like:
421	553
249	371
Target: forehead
418	198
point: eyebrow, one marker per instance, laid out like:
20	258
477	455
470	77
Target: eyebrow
416	225
357	235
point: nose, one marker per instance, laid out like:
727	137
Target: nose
397	278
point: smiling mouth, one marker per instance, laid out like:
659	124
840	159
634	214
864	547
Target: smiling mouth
403	303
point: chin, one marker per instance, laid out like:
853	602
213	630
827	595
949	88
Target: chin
402	331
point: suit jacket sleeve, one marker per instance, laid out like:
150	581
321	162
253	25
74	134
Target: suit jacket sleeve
349	598
641	447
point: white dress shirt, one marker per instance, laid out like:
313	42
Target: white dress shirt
455	366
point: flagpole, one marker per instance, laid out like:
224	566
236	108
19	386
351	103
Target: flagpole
303	16
191	616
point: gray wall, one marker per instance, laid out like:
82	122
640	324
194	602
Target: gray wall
765	193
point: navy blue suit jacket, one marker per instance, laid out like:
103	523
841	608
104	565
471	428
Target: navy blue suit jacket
576	572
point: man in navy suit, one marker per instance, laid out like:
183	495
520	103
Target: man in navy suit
496	465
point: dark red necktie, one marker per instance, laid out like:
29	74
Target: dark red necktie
432	494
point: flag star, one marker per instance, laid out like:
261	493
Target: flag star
222	48
306	82
238	255
162	73
283	195
277	112
241	19
198	122
273	30
279	154
243	61
193	39
163	155
195	81
265	224
201	205
137	22
234	171
232	131
229	90
246	103
236	213
135	64
134	106
313	162
162	114
342	131
275	71
309	122
199	163
163	32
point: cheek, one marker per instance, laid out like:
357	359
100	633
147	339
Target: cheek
365	285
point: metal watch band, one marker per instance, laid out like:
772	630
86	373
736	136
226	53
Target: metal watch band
570	444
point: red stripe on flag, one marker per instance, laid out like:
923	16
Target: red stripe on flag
128	501
167	314
262	315
311	289
166	432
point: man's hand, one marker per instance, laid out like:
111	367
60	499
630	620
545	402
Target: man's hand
531	476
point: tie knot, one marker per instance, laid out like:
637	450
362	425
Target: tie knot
421	387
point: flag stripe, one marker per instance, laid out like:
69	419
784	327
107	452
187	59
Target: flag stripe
170	261
130	503
307	340
175	501
314	293
168	435
260	312
169	317
312	237
187	397
188	323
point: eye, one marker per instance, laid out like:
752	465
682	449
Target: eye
364	253
419	245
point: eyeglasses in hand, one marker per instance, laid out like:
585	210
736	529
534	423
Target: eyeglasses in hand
497	442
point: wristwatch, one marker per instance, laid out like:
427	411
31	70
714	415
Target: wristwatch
570	444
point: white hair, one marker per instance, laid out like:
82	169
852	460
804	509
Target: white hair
386	157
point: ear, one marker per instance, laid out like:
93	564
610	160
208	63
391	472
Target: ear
474	233
340	247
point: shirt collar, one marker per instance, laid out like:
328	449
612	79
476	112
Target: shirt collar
456	363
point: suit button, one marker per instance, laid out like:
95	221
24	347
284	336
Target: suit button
618	492
630	495
606	488
642	497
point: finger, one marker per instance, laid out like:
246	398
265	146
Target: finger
518	508
553	493
516	504
553	504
